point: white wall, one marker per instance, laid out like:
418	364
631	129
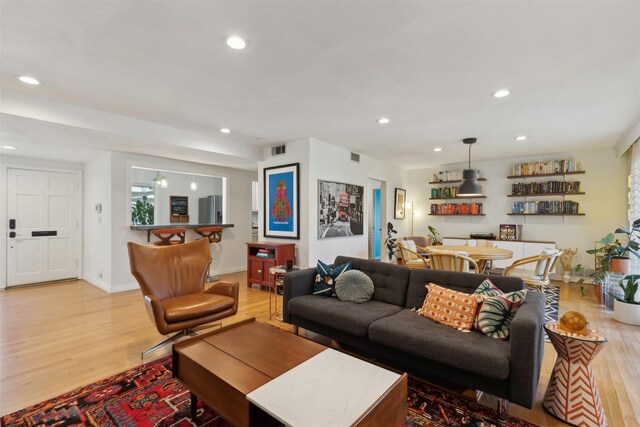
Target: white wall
97	226
323	161
605	202
228	255
7	161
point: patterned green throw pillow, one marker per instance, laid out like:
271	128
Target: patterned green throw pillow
497	312
488	289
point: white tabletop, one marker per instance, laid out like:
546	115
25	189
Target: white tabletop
330	389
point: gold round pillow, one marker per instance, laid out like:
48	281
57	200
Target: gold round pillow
575	322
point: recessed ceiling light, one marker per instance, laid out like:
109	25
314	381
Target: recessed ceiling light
383	120
8	147
521	138
501	93
28	80
235	42
437	149
225	130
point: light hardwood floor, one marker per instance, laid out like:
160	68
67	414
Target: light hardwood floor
56	337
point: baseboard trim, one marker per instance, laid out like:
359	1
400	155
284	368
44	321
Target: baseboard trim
218	271
97	283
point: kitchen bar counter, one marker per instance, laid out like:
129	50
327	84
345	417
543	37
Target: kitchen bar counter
149	228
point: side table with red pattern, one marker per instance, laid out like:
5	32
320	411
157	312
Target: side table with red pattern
572	394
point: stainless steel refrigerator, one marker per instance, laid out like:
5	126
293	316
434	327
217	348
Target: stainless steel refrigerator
210	210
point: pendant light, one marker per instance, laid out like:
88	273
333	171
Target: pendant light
194	184
469	186
158	179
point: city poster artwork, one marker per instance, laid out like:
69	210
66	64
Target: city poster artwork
282	211
340	209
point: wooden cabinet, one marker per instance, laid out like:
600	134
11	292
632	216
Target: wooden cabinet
262	256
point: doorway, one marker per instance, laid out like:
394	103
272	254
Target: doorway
374	209
44	226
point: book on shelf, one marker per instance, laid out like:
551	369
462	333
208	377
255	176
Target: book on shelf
456	208
544	168
548	187
545	207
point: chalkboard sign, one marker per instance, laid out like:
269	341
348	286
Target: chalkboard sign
179	205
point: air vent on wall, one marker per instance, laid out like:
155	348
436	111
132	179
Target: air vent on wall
355	157
276	150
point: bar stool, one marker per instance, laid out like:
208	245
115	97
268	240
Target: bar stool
166	236
214	234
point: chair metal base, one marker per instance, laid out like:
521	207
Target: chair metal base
191	332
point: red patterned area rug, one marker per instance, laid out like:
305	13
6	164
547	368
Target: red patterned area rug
148	396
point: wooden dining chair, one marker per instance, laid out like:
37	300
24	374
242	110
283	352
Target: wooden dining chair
452	261
411	258
538	277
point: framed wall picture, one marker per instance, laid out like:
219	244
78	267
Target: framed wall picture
398	207
282	201
508	232
340	209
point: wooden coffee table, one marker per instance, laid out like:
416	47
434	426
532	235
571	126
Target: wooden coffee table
223	366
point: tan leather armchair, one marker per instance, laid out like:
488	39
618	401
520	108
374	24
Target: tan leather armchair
172	281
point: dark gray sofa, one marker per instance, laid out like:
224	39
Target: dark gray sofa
386	329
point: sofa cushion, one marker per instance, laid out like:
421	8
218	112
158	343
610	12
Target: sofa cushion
417	335
354	286
488	289
326	278
345	316
449	307
461	282
390	280
497	312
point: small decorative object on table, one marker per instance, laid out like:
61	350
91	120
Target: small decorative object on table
574	321
566	260
572	394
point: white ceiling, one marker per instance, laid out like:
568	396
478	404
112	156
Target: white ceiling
329	69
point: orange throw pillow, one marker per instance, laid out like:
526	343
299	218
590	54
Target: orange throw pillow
451	308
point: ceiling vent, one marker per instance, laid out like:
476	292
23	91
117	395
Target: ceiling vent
277	150
355	157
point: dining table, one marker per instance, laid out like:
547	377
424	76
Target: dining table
480	254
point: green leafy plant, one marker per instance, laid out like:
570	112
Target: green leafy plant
434	234
598	278
630	289
611	248
391	240
142	212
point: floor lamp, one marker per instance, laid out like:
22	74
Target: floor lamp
409	205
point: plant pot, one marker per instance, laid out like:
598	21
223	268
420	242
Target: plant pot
566	277
626	313
620	265
597	288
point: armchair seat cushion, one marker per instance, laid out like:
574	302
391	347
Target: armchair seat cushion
193	306
409	332
344	316
529	276
417	262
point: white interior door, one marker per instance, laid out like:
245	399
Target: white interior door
43	226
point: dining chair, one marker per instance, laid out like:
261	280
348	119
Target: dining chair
452	261
538	277
410	257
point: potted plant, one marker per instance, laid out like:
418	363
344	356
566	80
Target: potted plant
626	307
391	241
435	236
615	256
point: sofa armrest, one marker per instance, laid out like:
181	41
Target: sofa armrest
526	350
297	283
